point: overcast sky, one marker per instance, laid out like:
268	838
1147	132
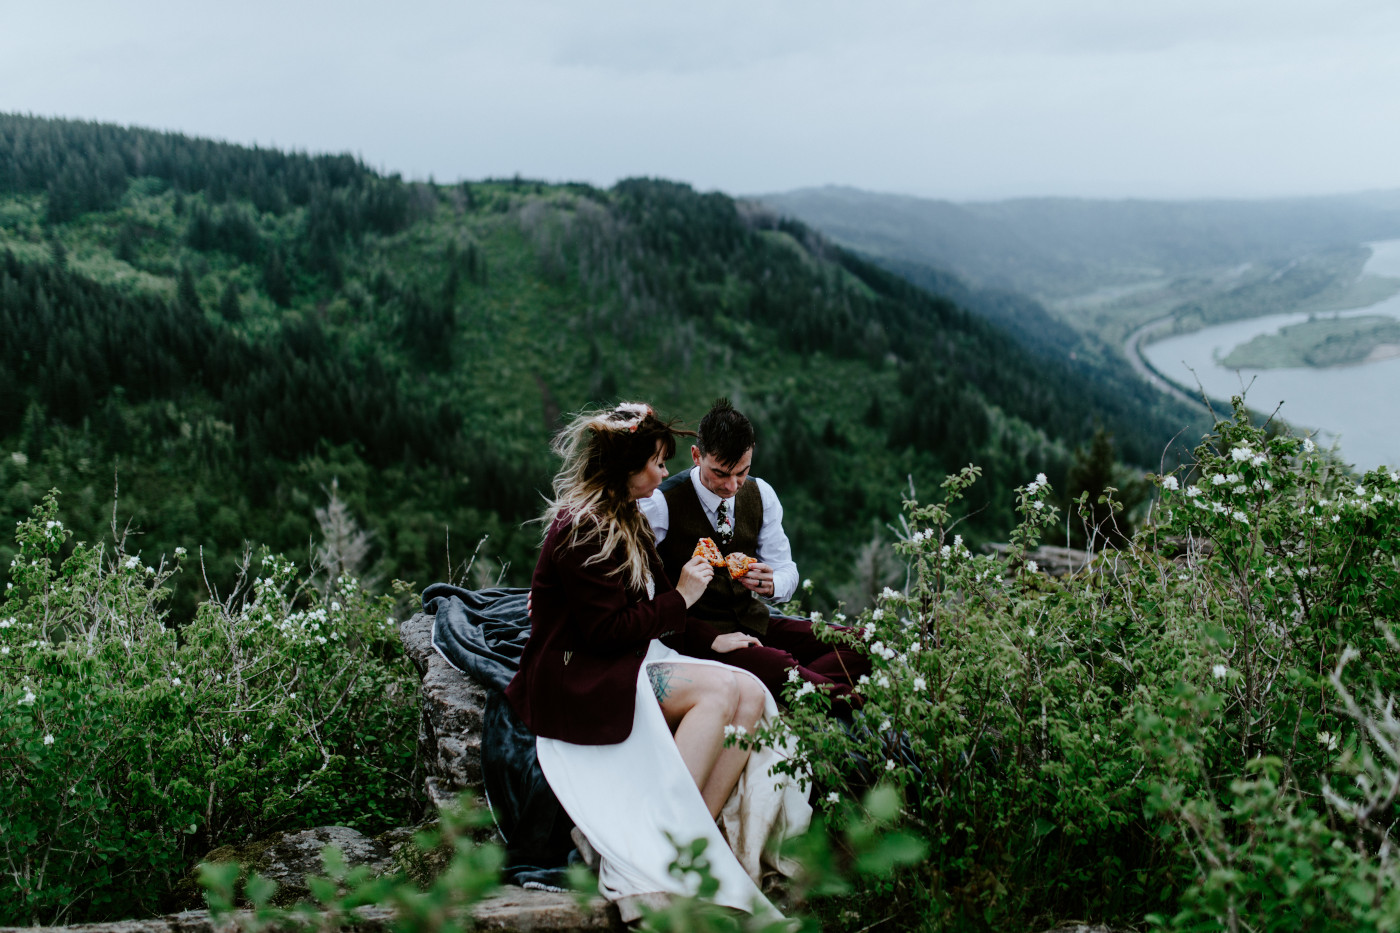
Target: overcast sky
959	99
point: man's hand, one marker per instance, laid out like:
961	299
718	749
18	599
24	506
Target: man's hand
733	641
759	579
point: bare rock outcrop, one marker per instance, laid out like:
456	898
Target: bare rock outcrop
449	727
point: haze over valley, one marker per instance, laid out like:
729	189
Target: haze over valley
1121	274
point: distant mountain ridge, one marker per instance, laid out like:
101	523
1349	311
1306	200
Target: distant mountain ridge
1058	247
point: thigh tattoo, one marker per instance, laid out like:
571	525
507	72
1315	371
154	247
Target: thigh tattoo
661	677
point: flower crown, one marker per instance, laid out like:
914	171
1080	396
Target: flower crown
625	417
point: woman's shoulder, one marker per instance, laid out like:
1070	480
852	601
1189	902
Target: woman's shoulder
573	531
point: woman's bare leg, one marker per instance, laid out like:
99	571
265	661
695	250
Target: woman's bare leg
729	764
698	702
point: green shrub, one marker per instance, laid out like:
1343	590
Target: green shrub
128	748
1066	746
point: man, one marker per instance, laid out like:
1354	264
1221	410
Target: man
718	499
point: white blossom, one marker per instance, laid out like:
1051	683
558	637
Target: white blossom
1239	517
1259	460
1241	453
807	583
132	563
1327	740
1308	445
833	797
1169	482
793	676
28	698
48	738
920	684
1218	479
1240	490
180	552
1219	670
889	764
1032	566
806	688
1193	491
175	681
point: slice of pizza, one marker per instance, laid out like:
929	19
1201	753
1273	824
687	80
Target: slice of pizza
707	549
739	563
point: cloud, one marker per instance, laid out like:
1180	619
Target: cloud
986	99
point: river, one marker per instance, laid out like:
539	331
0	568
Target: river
1356	406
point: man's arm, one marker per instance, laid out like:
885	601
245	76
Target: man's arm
655	510
773	547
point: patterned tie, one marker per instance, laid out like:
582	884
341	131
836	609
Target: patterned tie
724	529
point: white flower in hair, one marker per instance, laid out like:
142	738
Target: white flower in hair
631	414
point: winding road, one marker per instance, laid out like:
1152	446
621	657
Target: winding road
1139	364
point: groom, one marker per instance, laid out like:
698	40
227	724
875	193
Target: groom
718	499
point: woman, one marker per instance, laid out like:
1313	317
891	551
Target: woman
631	733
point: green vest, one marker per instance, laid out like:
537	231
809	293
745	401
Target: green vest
726	605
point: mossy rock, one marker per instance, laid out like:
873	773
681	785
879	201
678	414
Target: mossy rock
288	859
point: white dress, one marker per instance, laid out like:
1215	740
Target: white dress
625	798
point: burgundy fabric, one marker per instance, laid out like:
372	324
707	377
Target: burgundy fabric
588	634
789	643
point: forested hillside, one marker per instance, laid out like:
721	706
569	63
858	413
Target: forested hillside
1055	248
222	332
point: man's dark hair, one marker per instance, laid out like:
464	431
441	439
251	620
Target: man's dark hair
724	433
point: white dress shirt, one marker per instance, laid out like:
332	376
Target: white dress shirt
773	547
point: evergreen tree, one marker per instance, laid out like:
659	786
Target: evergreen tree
230	308
1095	471
276	281
186	294
127	244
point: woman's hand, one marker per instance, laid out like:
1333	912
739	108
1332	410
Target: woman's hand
733	641
695	576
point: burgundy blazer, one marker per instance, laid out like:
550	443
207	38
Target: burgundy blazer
588	634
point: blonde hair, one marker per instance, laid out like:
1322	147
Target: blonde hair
601	451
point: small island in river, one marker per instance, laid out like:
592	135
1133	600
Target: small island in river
1320	342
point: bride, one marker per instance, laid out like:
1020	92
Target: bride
630	732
